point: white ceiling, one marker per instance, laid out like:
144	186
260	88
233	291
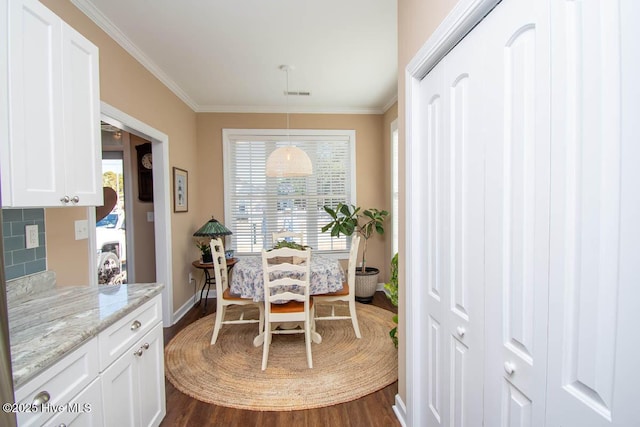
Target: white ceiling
224	55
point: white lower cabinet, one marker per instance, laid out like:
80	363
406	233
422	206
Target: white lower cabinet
84	410
60	384
133	385
94	386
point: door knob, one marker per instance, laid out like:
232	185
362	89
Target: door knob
461	331
509	368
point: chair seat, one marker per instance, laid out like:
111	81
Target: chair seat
342	292
231	297
290	307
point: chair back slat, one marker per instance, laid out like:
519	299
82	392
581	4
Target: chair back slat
219	265
282	279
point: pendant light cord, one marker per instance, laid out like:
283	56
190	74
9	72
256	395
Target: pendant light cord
287	104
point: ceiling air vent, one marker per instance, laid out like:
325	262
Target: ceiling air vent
297	93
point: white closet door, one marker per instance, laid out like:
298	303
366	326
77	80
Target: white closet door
431	129
517	215
595	263
452	134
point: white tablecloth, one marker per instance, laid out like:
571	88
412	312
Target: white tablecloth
247	279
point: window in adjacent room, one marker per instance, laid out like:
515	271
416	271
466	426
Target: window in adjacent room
394	186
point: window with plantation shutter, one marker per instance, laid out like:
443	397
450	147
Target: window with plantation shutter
257	206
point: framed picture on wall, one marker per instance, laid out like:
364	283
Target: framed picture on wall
180	190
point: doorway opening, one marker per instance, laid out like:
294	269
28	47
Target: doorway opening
111	234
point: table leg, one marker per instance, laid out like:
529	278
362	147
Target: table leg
207	282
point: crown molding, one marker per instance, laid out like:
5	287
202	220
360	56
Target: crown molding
390	103
86	7
114	32
283	110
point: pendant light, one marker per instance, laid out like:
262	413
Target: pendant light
288	160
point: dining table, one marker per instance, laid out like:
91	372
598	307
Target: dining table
327	275
247	281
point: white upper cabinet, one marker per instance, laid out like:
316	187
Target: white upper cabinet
51	152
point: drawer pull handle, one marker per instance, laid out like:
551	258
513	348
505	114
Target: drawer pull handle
138	352
135	325
41	398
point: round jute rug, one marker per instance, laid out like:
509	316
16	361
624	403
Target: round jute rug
229	373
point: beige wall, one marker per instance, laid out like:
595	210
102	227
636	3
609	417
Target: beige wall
371	177
68	257
417	20
128	86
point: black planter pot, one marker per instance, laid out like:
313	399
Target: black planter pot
207	258
366	284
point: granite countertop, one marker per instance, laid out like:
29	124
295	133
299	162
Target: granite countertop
47	325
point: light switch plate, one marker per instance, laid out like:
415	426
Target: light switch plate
150	216
82	229
31	236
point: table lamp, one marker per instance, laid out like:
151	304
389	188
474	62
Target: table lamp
210	229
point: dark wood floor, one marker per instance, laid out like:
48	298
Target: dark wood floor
370	411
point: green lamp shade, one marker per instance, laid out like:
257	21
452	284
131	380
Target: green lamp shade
212	229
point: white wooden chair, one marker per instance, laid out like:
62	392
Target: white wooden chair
224	298
283	235
347	293
281	282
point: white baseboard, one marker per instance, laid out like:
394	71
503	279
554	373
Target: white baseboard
179	314
188	305
400	410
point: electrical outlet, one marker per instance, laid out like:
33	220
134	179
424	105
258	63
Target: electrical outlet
190	277
82	229
31	236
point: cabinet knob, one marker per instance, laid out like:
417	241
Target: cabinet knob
65	199
138	352
75	199
41	398
509	368
135	325
461	331
146	346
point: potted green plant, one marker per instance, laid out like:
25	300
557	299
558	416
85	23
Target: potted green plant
348	219
205	249
392	294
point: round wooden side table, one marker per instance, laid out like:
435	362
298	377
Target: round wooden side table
209	278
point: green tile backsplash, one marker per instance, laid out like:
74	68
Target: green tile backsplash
19	261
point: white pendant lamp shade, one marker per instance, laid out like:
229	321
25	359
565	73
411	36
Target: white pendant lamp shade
289	161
